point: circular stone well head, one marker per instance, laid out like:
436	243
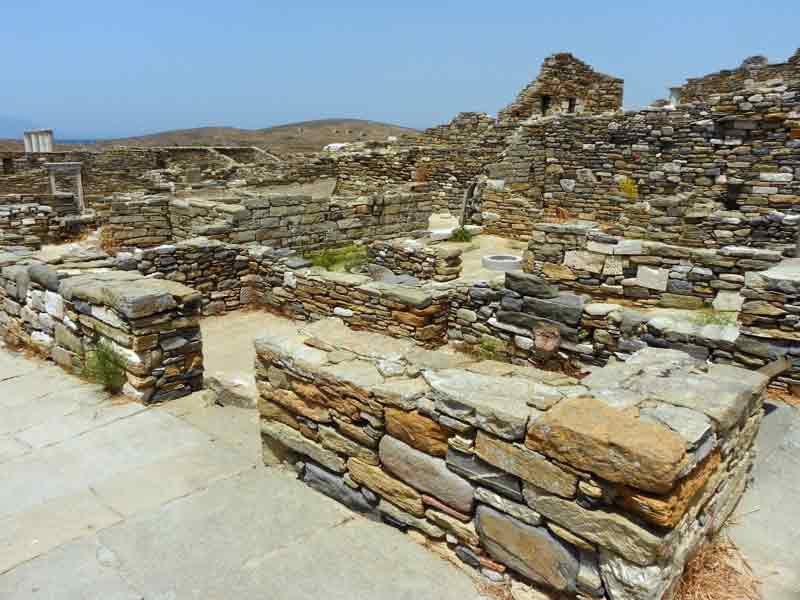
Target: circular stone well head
502	262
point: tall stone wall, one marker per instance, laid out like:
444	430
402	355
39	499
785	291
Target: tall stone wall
753	72
740	154
565	85
481	456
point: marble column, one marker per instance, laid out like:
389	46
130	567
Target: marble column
27	139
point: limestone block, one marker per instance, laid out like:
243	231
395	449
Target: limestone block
582	260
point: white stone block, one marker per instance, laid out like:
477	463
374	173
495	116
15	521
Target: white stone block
54	304
652	278
728	301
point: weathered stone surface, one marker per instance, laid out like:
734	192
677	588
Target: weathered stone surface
392	511
335	487
526	284
417	431
401	393
694	427
294	403
531	551
590	435
465	532
581	260
497	405
391	489
515	509
295	441
526	464
426	473
652	278
566	308
667	510
336	442
601	526
474	469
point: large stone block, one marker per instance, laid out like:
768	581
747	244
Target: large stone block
526	284
418	431
426	473
480	472
592	436
531	551
527	465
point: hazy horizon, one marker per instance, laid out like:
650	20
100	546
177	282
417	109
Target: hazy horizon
92	70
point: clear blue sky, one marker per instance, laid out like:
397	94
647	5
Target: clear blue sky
109	68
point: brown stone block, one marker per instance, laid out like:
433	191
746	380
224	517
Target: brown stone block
667	510
409	319
589	435
418	431
393	490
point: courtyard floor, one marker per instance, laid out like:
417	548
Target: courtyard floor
102	499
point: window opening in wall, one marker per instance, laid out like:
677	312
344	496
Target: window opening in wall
731	198
545	101
572	104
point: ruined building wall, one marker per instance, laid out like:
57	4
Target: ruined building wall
752	72
740	154
565	85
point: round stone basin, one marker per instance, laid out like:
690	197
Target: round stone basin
502	262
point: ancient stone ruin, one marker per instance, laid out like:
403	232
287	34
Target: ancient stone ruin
581	425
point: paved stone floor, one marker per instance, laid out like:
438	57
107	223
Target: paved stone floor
118	501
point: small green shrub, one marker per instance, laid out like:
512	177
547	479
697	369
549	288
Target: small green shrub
491	348
628	187
460	235
345	258
105	366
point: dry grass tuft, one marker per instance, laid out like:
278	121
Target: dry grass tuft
718	572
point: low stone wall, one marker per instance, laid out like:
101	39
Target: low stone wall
581	258
481	456
62	204
136	222
65	311
415	258
277	220
772	302
286	284
214	269
527	320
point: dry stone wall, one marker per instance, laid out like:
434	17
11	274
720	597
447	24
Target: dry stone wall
741	153
753	71
565	85
481	456
416	258
64	311
582	258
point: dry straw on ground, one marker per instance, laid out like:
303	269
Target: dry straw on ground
718	572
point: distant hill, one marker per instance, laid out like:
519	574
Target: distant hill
307	136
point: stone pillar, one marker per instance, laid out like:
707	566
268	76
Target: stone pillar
46	140
53	183
26	139
79	190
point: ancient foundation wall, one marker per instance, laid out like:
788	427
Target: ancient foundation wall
480	456
151	325
141	222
